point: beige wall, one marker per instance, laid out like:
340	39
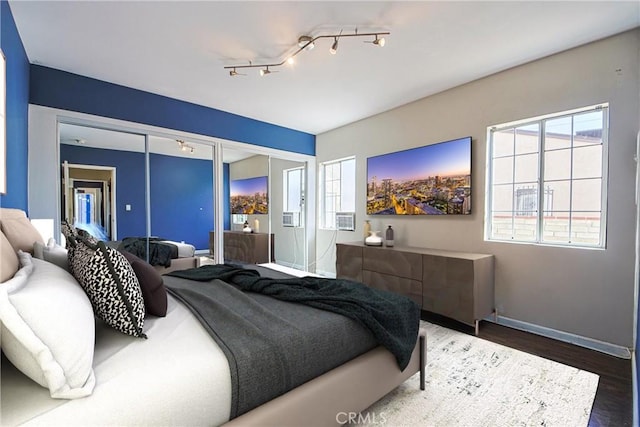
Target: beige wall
589	293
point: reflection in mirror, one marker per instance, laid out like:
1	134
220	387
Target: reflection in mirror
288	220
246	238
103	180
181	193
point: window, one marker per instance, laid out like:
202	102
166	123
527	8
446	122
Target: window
565	156
338	191
239	218
293	181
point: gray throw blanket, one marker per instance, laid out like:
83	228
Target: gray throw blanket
393	319
271	346
160	253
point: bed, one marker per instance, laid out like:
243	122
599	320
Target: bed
179	375
165	255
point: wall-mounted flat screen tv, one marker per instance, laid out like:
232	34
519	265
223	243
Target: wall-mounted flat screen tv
430	180
249	196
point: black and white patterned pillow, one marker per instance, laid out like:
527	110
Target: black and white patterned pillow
72	234
110	282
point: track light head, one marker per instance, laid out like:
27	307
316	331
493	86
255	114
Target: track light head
334	46
233	73
265	71
183	146
306	42
379	41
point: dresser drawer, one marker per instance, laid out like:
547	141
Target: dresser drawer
407	287
349	262
392	262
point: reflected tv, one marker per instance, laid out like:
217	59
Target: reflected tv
430	180
249	196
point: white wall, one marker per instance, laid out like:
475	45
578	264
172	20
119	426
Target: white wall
588	293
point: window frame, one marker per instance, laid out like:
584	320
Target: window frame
287	189
541	121
322	205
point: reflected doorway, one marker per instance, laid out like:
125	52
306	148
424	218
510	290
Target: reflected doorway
89	197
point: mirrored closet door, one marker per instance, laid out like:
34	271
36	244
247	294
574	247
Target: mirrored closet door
103	180
247	237
181	192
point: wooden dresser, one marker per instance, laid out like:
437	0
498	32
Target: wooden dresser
459	285
248	248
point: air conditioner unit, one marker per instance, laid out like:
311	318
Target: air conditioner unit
290	219
346	221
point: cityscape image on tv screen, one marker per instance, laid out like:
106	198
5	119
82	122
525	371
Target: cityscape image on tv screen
249	196
430	180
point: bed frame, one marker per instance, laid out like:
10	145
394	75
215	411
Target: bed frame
176	263
350	388
179	264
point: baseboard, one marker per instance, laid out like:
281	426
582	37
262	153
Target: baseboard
601	346
327	274
295	266
287	269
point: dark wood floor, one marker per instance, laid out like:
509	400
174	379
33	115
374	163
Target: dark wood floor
613	405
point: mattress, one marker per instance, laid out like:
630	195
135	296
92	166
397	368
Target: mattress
185	250
178	376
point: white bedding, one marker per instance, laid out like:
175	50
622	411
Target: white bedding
185	250
178	376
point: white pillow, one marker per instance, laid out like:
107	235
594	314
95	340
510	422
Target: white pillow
19	279
48	330
52	252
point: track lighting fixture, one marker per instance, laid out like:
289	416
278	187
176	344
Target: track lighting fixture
183	146
265	71
334	46
379	41
307	43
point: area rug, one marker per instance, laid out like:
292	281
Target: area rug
473	382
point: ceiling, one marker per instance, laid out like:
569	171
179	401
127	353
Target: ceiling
179	48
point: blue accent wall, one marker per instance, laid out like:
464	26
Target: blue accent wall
59	89
17	112
181	199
